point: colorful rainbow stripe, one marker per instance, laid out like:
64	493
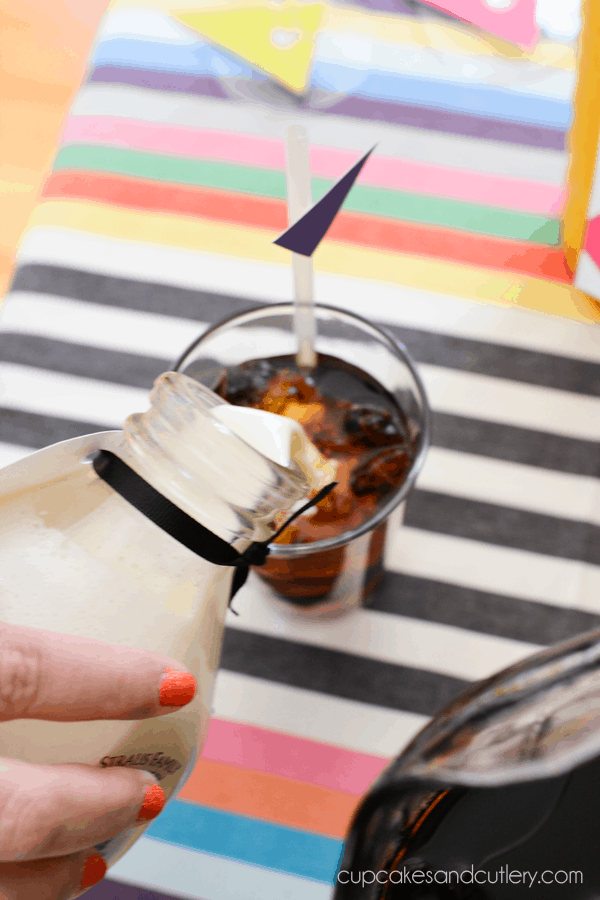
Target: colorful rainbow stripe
427	214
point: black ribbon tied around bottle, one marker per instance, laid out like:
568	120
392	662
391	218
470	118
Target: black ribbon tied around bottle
183	528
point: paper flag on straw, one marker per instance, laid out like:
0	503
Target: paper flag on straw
305	235
277	39
513	20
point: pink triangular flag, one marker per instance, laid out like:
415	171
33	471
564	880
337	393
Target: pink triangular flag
592	239
513	20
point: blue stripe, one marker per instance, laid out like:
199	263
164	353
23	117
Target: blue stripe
197	59
188	873
248	840
470	99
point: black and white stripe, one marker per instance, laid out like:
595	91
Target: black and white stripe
500	552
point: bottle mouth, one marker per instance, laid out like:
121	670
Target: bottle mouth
537	719
207	469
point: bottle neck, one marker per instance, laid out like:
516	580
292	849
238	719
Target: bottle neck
187	454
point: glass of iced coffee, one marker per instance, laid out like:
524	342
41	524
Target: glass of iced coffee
364	408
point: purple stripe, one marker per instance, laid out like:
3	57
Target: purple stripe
393	6
204	85
112	890
353	107
449	122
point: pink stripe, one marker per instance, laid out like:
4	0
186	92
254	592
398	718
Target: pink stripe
293	757
380	171
226	146
456	184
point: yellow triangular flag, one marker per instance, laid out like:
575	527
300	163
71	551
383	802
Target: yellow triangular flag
277	39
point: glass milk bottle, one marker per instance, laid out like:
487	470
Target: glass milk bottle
77	557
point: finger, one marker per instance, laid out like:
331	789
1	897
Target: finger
51	879
57	810
44	675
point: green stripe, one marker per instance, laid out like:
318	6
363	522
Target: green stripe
267	183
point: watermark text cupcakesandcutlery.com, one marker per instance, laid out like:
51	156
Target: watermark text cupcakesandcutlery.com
504	875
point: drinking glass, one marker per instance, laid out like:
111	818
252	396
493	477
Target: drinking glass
336	573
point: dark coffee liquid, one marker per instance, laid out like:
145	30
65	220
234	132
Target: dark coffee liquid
351	419
539	840
348	416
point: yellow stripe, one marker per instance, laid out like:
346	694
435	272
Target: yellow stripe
332	256
453	38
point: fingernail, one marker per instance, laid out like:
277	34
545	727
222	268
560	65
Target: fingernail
94	871
154	800
177	688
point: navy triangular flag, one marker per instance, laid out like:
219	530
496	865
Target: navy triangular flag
305	235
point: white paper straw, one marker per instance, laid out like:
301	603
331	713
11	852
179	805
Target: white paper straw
299	198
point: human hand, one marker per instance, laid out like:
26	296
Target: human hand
51	815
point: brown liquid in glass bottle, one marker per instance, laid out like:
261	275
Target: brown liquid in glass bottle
497	798
537	840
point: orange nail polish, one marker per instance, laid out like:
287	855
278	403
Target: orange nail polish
94	871
153	803
177	688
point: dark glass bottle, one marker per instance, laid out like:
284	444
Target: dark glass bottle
497	798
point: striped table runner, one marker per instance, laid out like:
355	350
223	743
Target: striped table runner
157	221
